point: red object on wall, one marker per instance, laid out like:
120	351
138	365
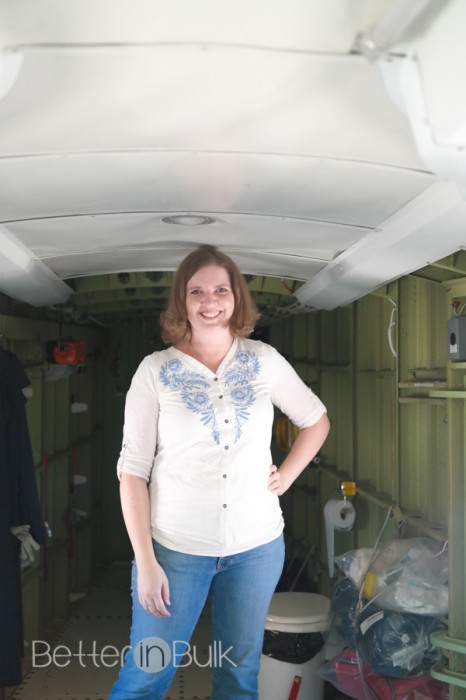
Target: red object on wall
69	352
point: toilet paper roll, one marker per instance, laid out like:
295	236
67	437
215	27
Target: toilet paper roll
338	515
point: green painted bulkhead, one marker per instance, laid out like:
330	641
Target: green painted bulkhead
397	430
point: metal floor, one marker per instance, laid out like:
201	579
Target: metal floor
103	618
99	620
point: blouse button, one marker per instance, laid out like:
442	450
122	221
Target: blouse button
221	396
224	505
226	420
226	447
224	476
215	379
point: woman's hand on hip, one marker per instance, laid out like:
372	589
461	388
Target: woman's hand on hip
276	483
154	590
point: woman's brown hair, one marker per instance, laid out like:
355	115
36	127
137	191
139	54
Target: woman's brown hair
174	321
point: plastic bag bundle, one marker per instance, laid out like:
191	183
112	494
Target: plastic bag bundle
384	610
396	644
408	575
357	680
355	564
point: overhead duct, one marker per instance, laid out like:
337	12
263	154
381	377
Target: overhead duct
422	63
25	278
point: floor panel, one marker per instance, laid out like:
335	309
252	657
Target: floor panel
100	621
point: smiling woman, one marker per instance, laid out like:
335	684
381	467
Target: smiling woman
199	491
242	316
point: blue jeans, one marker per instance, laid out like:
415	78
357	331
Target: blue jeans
240	587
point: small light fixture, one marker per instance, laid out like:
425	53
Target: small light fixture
188	220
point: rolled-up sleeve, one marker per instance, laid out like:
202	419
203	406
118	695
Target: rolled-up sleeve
291	395
140	426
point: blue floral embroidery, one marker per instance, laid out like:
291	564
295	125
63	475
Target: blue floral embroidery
246	367
172	375
191	384
239	376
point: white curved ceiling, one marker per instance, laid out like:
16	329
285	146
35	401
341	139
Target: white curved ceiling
115	115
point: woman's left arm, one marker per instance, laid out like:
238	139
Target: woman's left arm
305	447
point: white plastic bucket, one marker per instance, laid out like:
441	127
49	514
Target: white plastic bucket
294	613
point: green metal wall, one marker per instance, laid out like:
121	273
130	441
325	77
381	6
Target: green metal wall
388	434
397	428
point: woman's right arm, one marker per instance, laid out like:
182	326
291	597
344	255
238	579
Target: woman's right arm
153	588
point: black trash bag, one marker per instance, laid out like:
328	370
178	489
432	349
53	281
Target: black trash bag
292	647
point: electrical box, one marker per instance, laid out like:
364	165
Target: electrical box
456	338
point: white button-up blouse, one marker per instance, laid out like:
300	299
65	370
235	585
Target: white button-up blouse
202	442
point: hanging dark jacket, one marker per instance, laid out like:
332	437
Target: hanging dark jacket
19	505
